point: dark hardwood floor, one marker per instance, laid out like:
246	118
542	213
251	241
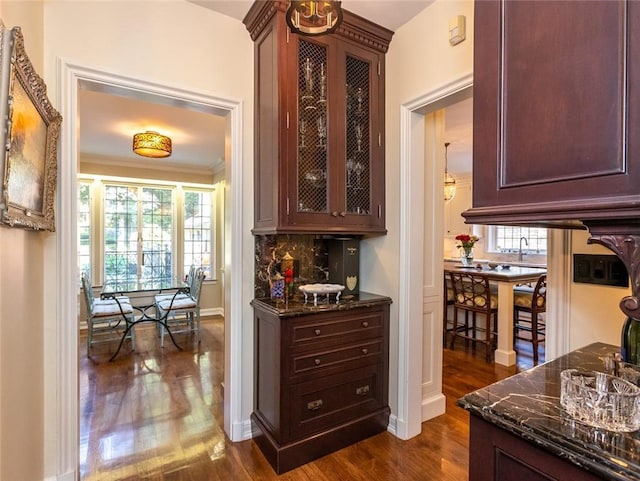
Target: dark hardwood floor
156	415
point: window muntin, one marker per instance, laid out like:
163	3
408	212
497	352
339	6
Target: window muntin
507	239
157	249
138	233
197	230
84	227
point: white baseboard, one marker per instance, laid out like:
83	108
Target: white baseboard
212	311
241	430
393	425
68	476
433	406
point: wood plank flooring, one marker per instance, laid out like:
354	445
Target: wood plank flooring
156	414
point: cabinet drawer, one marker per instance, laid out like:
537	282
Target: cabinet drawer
344	357
341	328
329	401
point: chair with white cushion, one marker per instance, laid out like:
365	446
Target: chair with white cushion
181	313
107	319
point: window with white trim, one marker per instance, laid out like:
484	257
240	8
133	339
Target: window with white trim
138	232
509	239
84	227
197	230
144	228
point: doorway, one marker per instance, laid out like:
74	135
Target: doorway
64	288
421	251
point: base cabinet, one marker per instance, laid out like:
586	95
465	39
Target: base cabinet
321	381
497	455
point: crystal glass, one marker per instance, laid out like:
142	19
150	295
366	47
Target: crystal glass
308	79
600	400
322	131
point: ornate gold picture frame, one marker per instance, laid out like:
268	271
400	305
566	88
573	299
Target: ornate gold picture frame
31	139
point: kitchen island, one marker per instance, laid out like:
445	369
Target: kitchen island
518	429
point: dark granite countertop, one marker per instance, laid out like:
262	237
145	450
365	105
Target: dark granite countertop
297	305
528	406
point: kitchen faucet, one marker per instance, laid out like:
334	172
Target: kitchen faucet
520	254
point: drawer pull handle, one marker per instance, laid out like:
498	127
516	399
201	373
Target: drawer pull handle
365	350
317	361
362	390
315	405
317	332
365	324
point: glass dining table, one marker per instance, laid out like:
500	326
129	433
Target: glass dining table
171	286
506	278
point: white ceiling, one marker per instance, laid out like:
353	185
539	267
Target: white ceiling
109	116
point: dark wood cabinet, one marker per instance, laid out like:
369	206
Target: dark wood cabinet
556	121
321	380
319	107
497	455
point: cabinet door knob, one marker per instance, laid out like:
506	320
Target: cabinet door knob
317	332
334	214
317	361
365	350
343	214
314	405
365	324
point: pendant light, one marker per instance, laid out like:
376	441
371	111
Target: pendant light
449	182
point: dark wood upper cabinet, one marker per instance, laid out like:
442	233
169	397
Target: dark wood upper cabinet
556	122
319	125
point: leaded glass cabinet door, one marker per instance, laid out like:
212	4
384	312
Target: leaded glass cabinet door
363	166
314	163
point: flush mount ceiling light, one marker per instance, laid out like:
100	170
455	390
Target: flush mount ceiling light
449	182
151	144
311	17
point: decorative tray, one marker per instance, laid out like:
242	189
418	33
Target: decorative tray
316	289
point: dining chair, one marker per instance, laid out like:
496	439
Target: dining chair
181	313
473	296
529	306
107	319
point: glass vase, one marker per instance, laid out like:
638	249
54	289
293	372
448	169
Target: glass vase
467	256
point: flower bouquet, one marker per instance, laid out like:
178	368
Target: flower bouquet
466	243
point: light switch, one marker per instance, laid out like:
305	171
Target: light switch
457	29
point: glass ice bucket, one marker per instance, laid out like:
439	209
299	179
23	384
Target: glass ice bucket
600	400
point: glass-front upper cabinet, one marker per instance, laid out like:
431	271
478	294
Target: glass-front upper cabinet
313	167
319	159
339	167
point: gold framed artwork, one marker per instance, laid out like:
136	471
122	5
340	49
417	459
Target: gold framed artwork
30	139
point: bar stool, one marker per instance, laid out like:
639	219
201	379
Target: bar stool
473	296
448	298
529	303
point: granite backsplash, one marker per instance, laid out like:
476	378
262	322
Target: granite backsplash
308	251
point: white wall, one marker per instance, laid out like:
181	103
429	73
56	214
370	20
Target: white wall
175	44
595	314
419	61
22	308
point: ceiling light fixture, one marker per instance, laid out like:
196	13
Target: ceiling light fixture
152	144
314	17
449	182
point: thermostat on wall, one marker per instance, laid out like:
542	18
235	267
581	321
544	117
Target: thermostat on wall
457	30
